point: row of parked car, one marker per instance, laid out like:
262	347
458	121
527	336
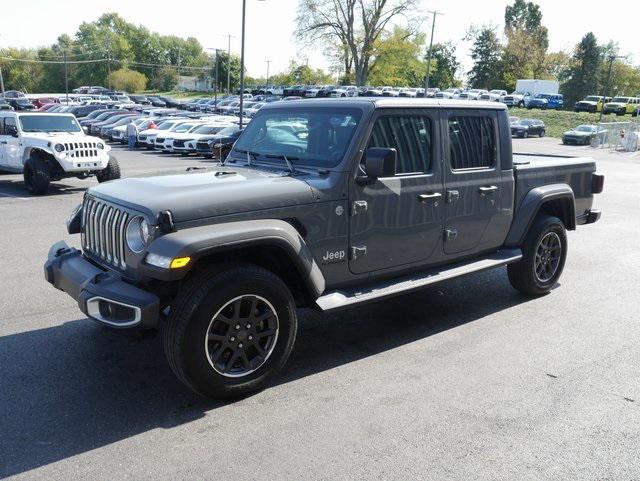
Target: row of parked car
160	129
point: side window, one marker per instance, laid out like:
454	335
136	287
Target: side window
472	142
410	136
1	125
9	125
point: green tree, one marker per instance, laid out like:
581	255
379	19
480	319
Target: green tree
525	53
165	78
128	80
398	61
444	66
486	54
583	74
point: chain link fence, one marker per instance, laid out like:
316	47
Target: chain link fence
618	136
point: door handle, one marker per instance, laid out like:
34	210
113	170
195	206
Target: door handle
489	189
430	198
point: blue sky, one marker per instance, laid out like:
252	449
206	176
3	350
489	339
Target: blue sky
270	24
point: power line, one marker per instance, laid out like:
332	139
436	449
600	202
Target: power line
26	60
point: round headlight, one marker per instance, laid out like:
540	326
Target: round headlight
100	145
59	147
137	234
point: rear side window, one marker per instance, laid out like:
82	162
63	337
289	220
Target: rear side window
8	122
472	142
410	136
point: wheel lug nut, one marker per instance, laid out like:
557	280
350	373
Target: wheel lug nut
232	338
237	326
240	345
251	338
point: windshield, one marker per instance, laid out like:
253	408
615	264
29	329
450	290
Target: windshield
526	122
585	128
182	128
49	123
208	129
316	137
623	100
166	125
593	99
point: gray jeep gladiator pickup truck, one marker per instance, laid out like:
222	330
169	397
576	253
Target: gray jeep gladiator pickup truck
321	203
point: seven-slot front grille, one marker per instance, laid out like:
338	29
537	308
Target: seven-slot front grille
81	150
103	233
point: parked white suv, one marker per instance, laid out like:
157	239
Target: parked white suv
49	147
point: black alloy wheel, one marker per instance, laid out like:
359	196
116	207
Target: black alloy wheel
548	256
242	336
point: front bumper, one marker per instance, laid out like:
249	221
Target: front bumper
102	295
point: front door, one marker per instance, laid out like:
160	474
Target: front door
397	221
12	157
474	219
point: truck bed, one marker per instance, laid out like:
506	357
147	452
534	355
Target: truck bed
533	170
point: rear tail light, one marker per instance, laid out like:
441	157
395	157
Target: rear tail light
597	183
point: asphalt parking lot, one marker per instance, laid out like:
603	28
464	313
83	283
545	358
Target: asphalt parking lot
465	380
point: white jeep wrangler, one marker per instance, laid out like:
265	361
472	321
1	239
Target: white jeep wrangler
49	147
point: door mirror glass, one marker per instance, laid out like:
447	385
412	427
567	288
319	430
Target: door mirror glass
380	162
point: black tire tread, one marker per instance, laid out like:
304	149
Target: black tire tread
519	272
41	173
188	300
110	172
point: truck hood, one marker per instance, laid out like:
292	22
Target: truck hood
61	137
191	196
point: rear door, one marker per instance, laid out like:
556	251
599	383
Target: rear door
397	221
473	188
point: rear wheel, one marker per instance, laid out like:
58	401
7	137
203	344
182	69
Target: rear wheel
230	331
543	256
36	175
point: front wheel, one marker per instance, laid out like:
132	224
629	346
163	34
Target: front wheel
542	133
111	172
230	331
543	256
36	175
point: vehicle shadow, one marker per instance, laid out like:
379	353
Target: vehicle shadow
78	386
14	187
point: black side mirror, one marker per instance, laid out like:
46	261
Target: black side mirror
11	130
380	162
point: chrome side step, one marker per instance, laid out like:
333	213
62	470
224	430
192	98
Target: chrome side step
344	298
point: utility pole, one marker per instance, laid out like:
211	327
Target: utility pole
215	88
612	58
433	27
266	84
244	8
1	82
66	75
229	64
109	65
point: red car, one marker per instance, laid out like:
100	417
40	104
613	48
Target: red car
42	101
45	107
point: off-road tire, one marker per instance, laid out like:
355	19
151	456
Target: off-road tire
110	172
522	274
191	317
36	175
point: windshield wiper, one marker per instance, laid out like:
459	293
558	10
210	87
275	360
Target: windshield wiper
251	156
292	170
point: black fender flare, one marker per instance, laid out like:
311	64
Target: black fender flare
200	242
531	205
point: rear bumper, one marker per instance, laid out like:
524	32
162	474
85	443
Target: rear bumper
101	295
589	217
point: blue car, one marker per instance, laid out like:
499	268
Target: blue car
546	101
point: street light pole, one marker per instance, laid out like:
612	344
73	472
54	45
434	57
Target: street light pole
266	86
244	7
433	27
612	58
66	76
